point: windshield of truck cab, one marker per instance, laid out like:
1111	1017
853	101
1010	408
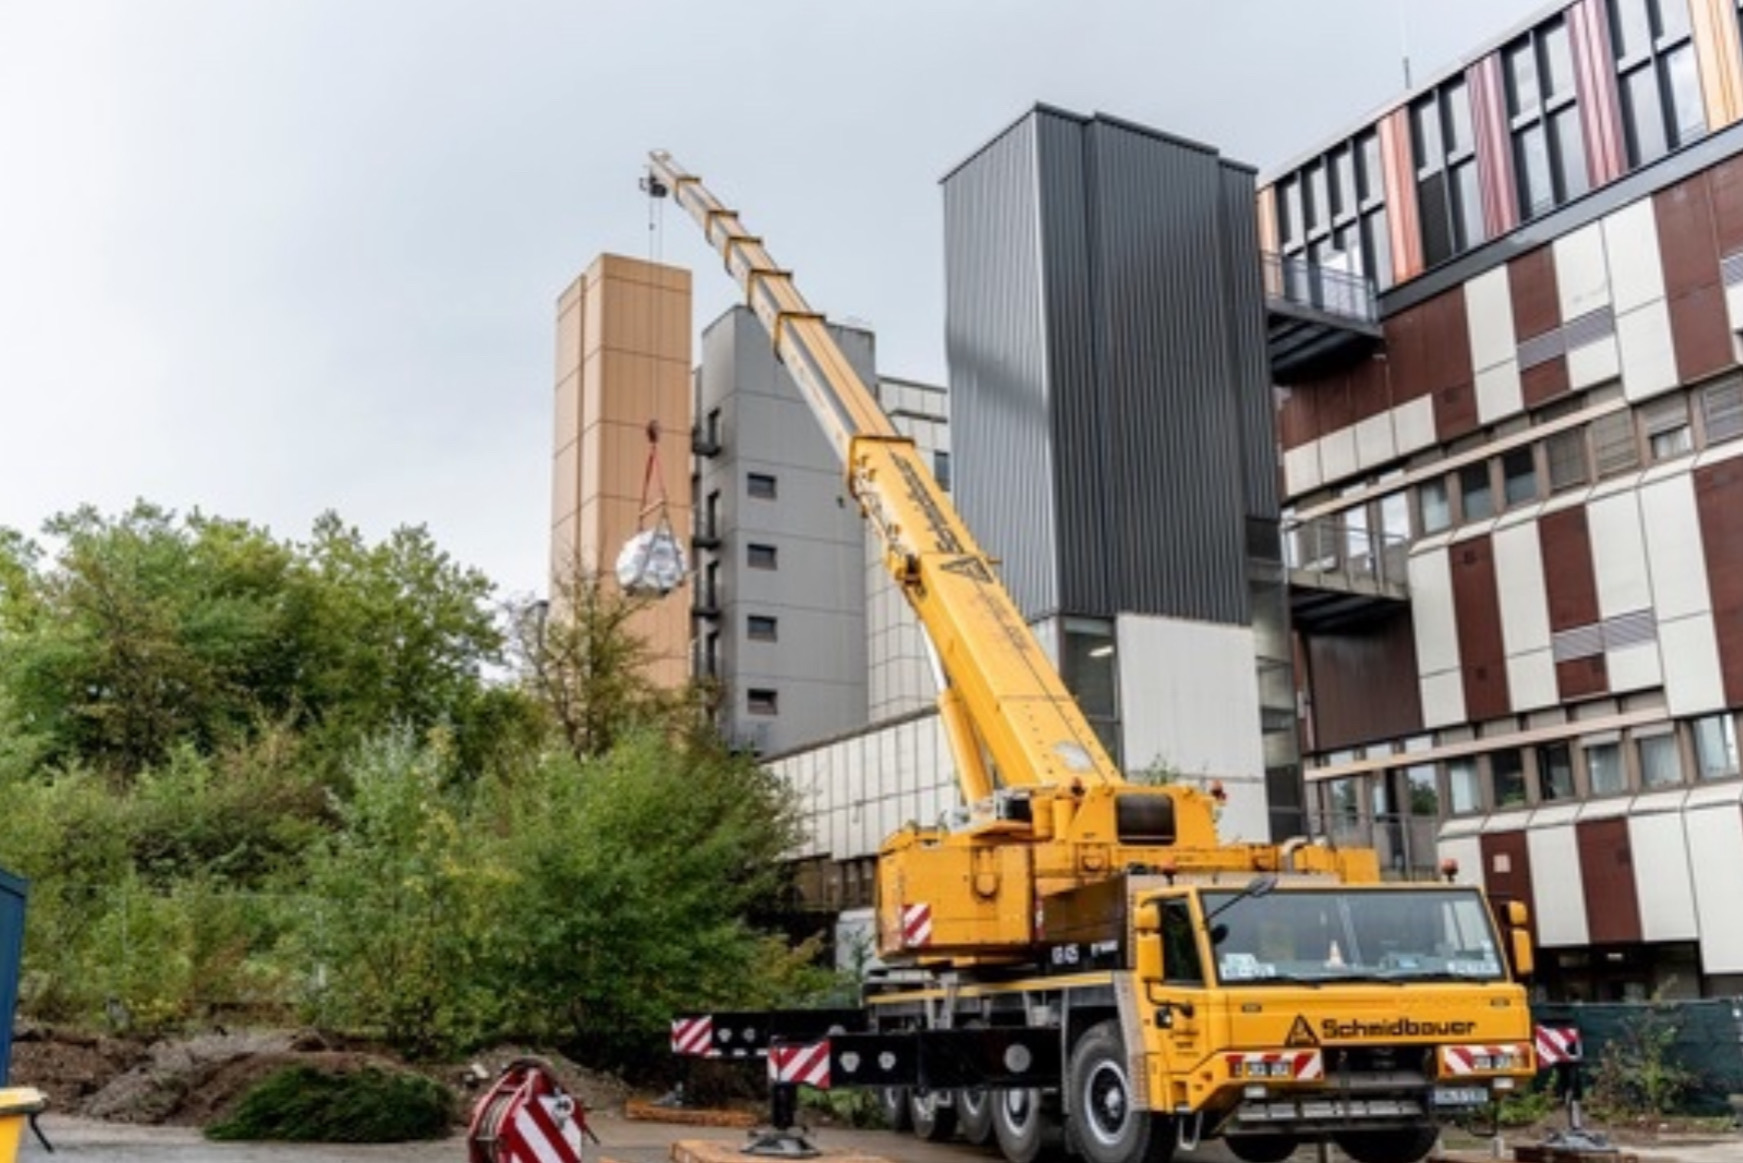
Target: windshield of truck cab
1327	935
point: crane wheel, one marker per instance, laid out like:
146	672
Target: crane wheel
1406	1145
932	1117
1110	1127
1260	1148
893	1102
1025	1124
974	1115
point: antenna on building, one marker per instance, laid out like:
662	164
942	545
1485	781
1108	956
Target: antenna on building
1404	40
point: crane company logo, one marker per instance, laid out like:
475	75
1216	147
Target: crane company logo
1396	1028
1301	1034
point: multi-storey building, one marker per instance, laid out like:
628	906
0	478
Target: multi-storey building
623	362
794	613
1514	487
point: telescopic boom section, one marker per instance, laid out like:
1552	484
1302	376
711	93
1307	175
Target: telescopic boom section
1010	720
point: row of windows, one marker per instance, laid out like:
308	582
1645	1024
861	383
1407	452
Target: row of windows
1673	425
1611	763
1332	210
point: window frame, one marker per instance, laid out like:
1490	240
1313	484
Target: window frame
760	555
762	486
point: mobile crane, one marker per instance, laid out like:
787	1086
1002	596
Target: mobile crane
1079	956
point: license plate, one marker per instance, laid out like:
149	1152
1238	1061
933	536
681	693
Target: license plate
1460	1096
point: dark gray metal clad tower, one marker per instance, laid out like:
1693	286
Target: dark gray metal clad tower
1111	397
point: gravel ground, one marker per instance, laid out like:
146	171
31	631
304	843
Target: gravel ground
86	1141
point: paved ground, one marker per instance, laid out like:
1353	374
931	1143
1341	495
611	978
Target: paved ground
80	1141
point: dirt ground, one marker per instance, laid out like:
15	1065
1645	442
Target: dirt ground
115	1099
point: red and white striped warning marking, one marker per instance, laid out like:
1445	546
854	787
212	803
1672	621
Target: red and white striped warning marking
1300	1065
1482	1059
694	1036
1557	1044
806	1065
916	926
541	1139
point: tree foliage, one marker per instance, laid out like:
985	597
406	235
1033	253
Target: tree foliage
250	776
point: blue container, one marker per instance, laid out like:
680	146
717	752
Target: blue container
12	892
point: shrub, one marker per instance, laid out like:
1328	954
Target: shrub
304	1105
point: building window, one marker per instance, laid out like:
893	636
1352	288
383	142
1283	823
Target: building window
1614	449
763	701
1548	146
1715	746
1666	421
1722	410
1448	196
1507	770
1555	772
1565	453
760	556
1604	773
941	468
1657	77
1660	766
1476	498
760	485
1464	786
1519	476
1091	673
1433	507
761	627
711	655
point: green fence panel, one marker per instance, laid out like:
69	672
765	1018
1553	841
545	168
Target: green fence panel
1703	1038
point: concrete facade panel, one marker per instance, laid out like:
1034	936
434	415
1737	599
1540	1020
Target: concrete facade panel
1520	583
1301	468
1559	905
1582	276
1374	441
1715	839
1489	314
1437	643
1673	550
1694	683
1202	720
1500	391
1662	881
1619	555
1631	245
1413	425
1337	455
1594	363
1531	680
1443	699
1648	354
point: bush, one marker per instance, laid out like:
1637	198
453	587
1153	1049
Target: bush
304	1105
1638	1072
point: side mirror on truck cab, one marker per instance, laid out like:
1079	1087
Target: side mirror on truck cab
1516	920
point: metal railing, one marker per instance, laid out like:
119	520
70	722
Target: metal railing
1293	279
1329	550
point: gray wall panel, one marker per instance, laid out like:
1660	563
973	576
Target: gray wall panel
1107	362
996	346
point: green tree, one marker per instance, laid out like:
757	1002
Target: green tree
633	876
398	908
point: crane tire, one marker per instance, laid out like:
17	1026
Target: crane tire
1109	1124
1024	1124
893	1102
930	1114
1405	1145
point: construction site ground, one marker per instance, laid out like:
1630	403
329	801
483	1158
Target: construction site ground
116	1100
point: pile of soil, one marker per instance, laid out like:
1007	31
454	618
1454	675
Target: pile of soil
197	1079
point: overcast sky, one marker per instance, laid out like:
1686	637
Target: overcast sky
272	258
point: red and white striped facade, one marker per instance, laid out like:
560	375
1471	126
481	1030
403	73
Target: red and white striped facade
1591	616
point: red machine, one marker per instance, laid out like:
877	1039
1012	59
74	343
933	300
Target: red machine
527	1117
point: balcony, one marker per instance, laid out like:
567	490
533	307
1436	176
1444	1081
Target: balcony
706	536
1318	319
1341	574
704	442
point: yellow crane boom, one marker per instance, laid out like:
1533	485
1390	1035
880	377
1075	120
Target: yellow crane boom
1010	720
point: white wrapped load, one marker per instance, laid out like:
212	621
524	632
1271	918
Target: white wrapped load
651	562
